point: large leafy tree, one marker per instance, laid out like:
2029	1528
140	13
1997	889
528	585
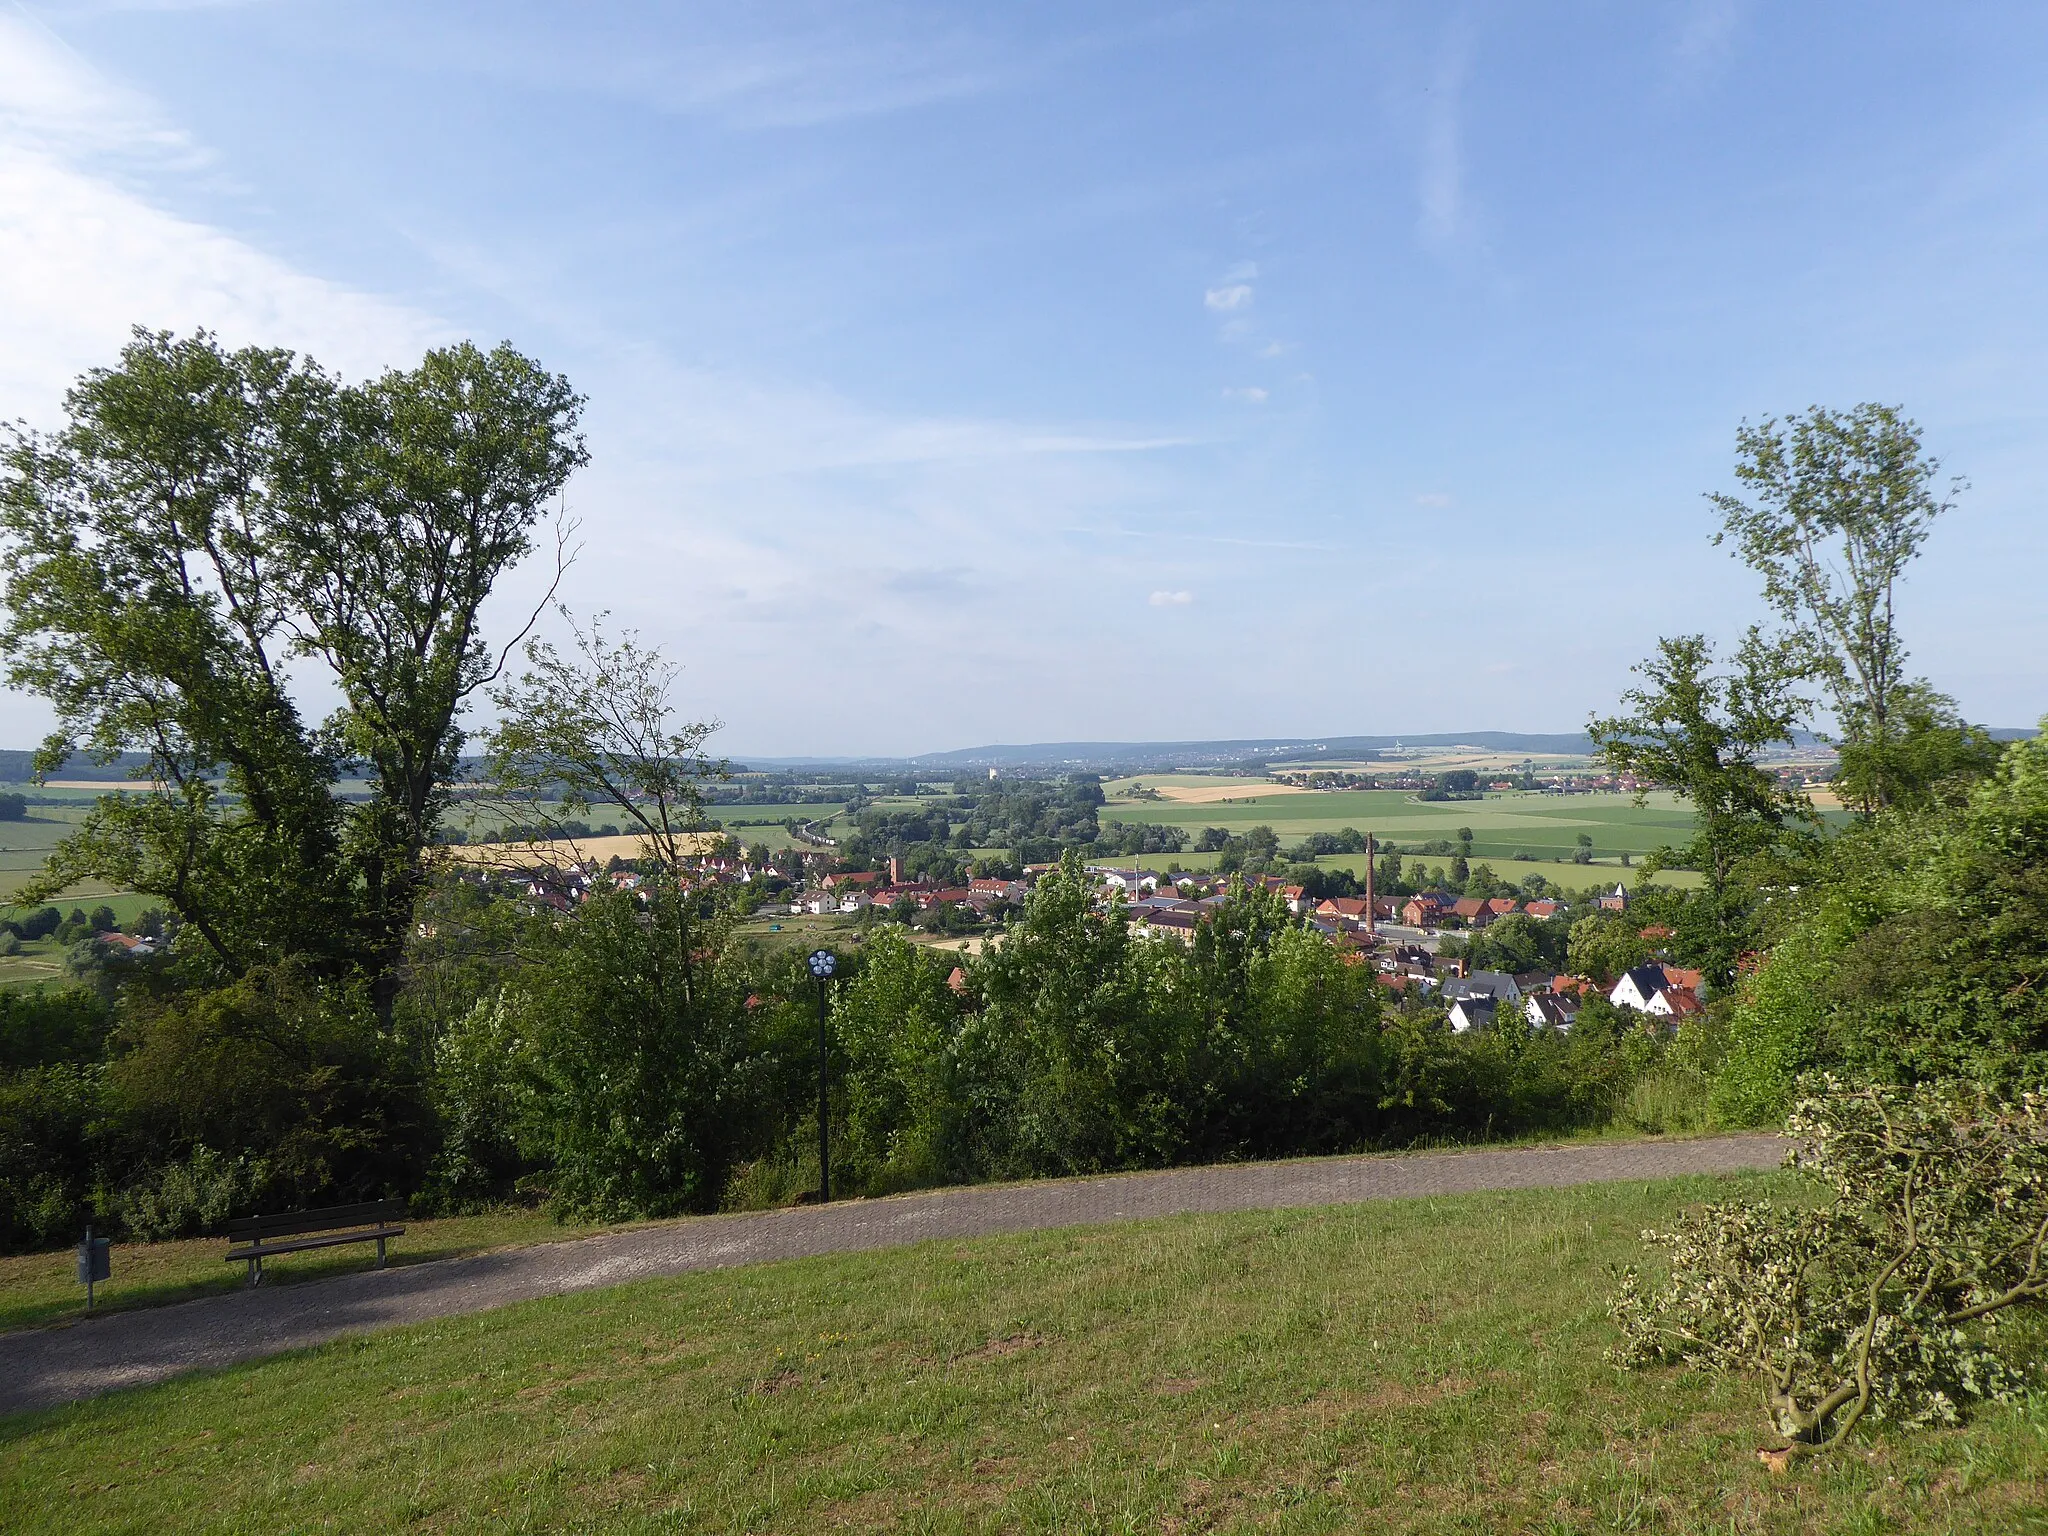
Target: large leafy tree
205	520
1699	730
600	727
1839	505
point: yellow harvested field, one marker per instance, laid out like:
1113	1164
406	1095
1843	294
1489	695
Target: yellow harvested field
571	850
1214	794
109	785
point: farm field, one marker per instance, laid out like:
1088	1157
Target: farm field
1567	877
25	844
1502	824
1412	1366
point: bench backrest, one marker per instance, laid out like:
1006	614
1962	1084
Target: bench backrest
370	1213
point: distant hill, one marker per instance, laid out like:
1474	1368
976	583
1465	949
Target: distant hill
19	767
1072	756
1218	753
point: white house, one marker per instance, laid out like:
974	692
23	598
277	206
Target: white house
1557	1009
1639	988
1132	880
1469	1013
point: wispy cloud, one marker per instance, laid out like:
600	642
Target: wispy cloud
84	254
811	67
1171	599
1250	394
1224	300
1708	35
1434	499
1444	215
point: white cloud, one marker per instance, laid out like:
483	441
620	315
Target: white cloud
1250	394
1224	300
1444	215
83	257
1171	599
1434	499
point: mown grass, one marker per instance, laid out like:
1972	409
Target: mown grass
1427	1366
43	1287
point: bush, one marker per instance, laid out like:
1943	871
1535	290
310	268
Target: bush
41	1028
191	1198
626	1067
49	1118
1885	1301
278	1066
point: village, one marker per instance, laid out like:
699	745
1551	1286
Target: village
1402	938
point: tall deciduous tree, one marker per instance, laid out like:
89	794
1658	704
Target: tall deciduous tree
600	727
1840	504
1699	731
204	519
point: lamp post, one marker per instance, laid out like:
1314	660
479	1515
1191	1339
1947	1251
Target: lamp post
823	963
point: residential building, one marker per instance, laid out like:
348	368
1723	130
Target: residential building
1497	985
1470	1013
1558	1010
1637	988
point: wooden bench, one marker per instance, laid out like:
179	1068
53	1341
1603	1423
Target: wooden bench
297	1231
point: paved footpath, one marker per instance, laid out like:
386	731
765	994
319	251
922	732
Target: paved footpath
42	1367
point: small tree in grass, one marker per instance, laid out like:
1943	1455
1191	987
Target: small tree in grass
1886	1301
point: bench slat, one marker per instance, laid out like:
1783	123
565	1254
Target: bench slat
288	1223
304	1244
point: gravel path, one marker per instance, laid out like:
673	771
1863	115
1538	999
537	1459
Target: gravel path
42	1367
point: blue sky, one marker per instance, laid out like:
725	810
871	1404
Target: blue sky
1027	373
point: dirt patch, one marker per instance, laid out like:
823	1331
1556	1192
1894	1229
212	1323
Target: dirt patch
563	852
1179	1386
995	1349
1216	794
131	786
780	1382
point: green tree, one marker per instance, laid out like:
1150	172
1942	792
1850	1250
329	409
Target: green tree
1699	731
204	518
1840	505
1605	946
629	1065
600	728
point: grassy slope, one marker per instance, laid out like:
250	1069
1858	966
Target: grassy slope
43	1287
1427	1365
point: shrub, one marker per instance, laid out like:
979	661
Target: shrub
279	1066
49	1118
629	1068
1885	1301
190	1198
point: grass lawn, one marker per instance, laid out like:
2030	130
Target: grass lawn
43	1287
1430	1365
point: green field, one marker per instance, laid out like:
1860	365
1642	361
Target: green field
24	845
1412	1366
1502	824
